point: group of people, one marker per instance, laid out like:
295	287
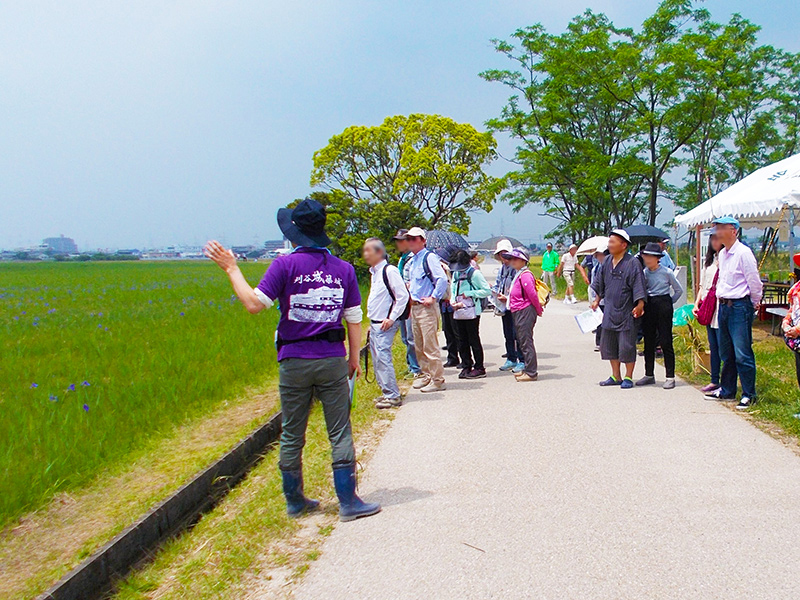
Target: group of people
446	287
319	332
637	297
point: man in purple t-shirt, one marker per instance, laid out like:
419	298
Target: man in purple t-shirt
315	292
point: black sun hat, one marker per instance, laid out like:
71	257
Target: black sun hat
304	225
653	249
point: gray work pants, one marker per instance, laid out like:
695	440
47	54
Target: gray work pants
300	380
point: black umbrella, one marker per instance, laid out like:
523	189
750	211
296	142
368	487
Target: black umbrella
438	239
641	234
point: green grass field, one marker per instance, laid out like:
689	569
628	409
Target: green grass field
776	384
100	358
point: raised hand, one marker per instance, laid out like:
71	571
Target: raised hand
225	258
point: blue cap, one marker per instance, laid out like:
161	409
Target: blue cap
727	220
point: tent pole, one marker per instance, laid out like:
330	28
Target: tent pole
791	220
697	261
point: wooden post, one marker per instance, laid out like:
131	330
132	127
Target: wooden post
697	261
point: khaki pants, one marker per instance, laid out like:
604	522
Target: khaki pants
426	339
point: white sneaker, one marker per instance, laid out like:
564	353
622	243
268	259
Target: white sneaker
566	300
421	382
434	387
573	300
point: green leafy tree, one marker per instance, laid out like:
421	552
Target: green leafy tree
579	152
755	109
604	115
427	166
659	69
727	66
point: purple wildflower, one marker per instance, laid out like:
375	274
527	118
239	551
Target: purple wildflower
53	398
182	314
99	314
34	385
86	408
86	384
71	387
99	325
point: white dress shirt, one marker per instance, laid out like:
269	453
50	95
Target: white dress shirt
738	274
380	301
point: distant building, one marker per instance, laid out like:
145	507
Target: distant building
273	245
61	245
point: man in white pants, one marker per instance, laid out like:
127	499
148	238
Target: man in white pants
570	262
388	299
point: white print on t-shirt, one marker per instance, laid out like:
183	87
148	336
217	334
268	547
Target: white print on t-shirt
316	277
319	305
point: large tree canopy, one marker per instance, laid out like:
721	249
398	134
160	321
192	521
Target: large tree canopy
579	155
604	115
428	166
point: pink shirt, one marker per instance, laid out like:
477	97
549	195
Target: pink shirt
738	274
523	293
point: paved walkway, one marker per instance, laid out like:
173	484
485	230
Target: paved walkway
560	489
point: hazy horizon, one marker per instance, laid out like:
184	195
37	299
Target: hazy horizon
151	124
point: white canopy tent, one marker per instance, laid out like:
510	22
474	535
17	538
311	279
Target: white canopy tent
757	200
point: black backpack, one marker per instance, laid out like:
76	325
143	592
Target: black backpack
407	310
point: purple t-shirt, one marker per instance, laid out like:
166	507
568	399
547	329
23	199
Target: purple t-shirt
313	289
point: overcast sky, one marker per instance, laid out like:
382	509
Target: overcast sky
131	124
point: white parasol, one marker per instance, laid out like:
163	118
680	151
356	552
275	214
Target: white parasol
597	243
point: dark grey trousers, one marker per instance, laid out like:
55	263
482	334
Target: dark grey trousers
524	322
300	380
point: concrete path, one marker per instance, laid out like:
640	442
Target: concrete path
562	489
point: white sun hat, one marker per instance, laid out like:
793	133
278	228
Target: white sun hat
503	246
